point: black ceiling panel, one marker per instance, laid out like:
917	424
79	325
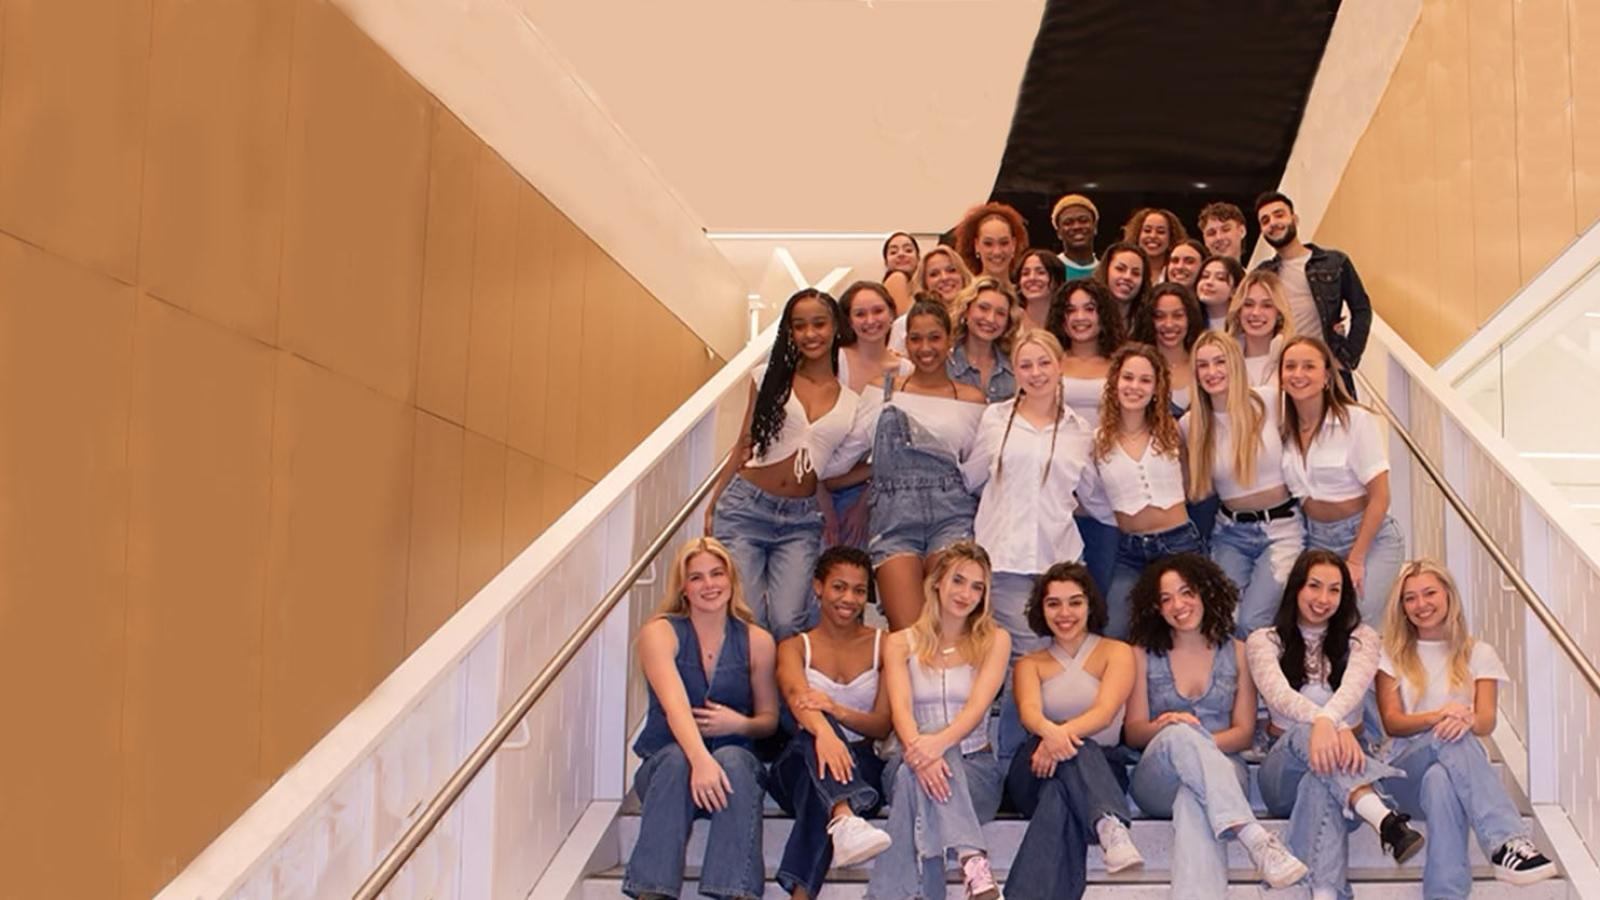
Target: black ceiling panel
1173	103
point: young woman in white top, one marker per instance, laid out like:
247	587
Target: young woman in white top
1183	262
987	318
1138	463
1258	317
1172	322
828	775
1235	450
1090	330
1214	286
942	673
942	276
1335	465
901	253
1436	692
1040	275
800	425
865	358
1313	666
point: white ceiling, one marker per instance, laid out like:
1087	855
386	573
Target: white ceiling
805	115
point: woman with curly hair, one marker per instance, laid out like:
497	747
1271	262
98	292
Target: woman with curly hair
1071	696
1172	322
1193	709
1156	231
801	424
987	318
990	237
1040	275
708	672
1138	463
1124	269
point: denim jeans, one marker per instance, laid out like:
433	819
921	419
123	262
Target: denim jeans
1318	806
1052	860
1009	593
775	542
1099	550
1203	513
1257	556
810	799
733	863
1134	552
927	833
1453	786
1385	555
1182	775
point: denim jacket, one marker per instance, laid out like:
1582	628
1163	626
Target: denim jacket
1334	284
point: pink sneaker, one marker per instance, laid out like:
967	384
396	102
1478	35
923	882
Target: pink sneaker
980	881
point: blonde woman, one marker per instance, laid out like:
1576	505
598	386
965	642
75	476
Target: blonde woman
1436	692
942	674
988	316
709	678
1235	449
1258	317
941	276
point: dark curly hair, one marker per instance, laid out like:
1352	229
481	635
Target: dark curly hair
842	555
847	332
1343	622
1105	306
766	420
1078	574
1218	597
1144	317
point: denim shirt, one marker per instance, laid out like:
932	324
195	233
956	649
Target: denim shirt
1214	708
1002	383
730	685
1335	284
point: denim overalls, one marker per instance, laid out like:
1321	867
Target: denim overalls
919	498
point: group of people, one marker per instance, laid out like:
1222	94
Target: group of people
1129	504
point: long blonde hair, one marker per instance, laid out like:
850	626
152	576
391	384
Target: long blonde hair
1164	436
1280	302
1400	636
924	634
1245	410
674	603
969	295
1045	339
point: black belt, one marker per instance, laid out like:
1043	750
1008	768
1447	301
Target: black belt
1283	510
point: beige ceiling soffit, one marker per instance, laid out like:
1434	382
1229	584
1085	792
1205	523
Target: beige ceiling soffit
1363	49
491	67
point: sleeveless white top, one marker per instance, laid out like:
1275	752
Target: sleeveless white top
860	692
812	444
1083	395
937	696
1070	692
954	423
1133	484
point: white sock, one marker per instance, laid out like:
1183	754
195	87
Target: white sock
1372	808
1253	836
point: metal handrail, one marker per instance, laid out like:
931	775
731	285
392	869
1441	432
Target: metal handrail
1507	568
507	723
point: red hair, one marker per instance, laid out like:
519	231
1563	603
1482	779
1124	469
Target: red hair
967	232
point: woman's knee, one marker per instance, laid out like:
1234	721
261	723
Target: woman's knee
740	764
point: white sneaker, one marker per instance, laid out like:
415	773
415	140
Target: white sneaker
1278	866
855	841
980	881
1116	845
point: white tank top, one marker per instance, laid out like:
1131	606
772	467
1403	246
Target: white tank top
859	693
937	696
1083	395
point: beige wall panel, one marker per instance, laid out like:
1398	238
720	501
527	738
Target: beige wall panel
1583	32
483	514
562	382
560	490
596	392
530	323
357	173
436	483
1497	267
66	337
1450	102
526	481
200	455
336	581
1544	133
651	382
213	184
447	269
1417	188
494	277
72	125
621	353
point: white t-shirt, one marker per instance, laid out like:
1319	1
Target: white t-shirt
1484	663
1302	308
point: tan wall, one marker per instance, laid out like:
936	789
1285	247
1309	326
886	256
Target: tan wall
1480	165
290	364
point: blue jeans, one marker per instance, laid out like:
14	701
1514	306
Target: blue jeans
926	832
733	864
1182	775
1099	550
1453	786
810	799
775	542
1052	860
1134	552
1318	806
1009	598
1257	557
1385	555
1203	513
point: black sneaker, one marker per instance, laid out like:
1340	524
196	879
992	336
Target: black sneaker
1399	839
1520	862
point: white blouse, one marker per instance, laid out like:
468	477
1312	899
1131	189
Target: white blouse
814	445
1025	518
1269	456
1340	461
1133	484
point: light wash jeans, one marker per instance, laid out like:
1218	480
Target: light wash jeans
1009	593
775	542
1318	806
1453	786
927	834
1257	556
1134	553
1385	555
1183	776
733	862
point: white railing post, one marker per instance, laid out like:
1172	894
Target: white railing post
611	655
1539	694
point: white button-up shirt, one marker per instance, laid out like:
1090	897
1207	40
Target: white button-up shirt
1024	518
1340	461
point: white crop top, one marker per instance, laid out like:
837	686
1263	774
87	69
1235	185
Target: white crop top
1083	395
1133	484
1341	460
812	444
952	422
1269	456
860	693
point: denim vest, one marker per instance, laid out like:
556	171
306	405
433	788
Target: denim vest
730	684
1214	708
1002	381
